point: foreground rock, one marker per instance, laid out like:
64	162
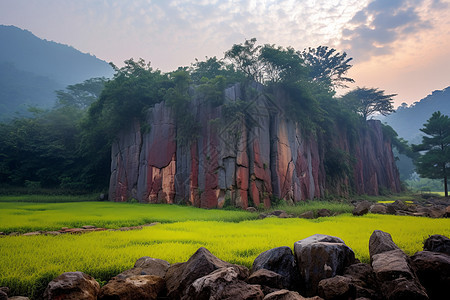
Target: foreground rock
288	295
180	276
224	283
380	242
433	271
72	286
280	260
437	243
392	269
320	257
147	266
132	288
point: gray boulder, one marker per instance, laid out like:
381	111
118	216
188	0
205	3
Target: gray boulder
437	243
320	257
361	208
280	260
380	242
180	276
146	266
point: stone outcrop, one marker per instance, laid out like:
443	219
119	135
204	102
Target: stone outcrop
324	271
72	285
255	154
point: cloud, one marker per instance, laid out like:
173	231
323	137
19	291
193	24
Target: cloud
374	29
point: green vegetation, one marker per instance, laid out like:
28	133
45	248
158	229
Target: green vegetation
304	206
26	217
33	198
29	262
435	162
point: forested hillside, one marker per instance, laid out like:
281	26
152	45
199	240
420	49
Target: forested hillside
31	69
407	120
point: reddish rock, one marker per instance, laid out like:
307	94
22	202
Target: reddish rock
132	288
72	286
323	212
268	156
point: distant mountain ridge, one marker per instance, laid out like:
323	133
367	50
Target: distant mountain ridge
407	120
31	69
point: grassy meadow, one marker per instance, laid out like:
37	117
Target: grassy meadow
28	263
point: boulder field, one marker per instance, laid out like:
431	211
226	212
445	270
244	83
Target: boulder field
247	158
320	267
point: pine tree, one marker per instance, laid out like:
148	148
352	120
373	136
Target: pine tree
435	162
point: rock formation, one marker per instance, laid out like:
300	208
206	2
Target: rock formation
251	157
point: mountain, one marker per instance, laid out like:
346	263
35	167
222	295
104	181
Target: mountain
31	69
407	120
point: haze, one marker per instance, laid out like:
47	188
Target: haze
399	46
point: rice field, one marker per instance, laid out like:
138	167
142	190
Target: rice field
28	263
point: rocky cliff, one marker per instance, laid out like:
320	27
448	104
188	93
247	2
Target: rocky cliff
245	157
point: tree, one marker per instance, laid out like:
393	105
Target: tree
327	66
435	162
246	59
81	95
366	102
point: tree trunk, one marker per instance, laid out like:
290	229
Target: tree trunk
445	186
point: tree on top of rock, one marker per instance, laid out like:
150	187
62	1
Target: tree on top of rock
367	102
435	163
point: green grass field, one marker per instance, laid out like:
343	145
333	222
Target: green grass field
28	263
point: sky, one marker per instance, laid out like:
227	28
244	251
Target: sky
400	46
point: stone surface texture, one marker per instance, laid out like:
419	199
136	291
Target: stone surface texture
320	257
132	288
72	286
242	160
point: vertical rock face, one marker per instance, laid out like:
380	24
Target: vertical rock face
244	159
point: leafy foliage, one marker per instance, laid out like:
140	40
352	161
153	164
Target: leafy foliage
435	162
367	102
327	66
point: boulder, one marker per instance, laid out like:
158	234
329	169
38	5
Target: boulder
251	209
447	211
436	212
223	283
402	289
180	276
437	243
18	298
337	287
378	209
288	295
147	266
3	295
266	278
280	260
361	208
433	271
307	215
132	288
72	285
380	242
364	280
392	208
396	277
323	213
320	257
390	265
